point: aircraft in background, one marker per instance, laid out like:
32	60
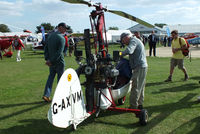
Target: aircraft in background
6	40
28	38
192	38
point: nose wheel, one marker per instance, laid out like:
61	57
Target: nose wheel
143	117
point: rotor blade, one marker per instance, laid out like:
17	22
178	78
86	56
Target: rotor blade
77	2
130	17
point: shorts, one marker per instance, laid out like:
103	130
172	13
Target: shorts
175	62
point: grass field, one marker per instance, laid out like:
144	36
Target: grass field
172	106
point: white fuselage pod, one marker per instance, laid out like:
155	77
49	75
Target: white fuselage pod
121	92
68	105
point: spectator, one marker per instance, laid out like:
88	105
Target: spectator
17	43
177	58
66	45
71	45
54	58
169	39
145	39
137	59
165	41
152	43
137	34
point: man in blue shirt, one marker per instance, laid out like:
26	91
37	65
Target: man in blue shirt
137	59
54	58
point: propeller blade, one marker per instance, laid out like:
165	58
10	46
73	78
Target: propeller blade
130	17
77	2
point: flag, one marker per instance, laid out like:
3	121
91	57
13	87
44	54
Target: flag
168	31
43	33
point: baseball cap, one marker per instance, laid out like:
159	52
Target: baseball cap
62	24
123	35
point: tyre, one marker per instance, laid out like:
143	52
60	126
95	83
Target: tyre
121	101
143	117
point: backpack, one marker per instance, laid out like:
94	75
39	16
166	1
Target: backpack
185	51
16	43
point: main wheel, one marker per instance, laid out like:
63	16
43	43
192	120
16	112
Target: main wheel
143	117
121	101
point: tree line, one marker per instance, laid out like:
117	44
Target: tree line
48	27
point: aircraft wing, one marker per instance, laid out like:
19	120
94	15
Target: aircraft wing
194	41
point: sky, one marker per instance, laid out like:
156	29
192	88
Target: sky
27	14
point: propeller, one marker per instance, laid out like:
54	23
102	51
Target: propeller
120	13
130	17
77	2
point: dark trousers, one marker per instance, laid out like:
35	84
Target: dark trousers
53	70
152	45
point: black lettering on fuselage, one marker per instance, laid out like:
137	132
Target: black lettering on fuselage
74	97
55	110
79	96
68	101
63	104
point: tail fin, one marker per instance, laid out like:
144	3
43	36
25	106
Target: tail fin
68	105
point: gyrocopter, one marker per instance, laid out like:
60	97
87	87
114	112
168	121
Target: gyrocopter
103	82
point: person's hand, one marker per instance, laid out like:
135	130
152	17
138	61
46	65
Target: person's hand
48	63
176	50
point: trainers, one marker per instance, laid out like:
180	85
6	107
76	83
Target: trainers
46	99
186	78
168	80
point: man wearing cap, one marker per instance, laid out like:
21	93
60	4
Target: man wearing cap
137	59
54	58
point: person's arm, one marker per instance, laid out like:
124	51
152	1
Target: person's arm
20	43
130	48
46	53
174	50
183	44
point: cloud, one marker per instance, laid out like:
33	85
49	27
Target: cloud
178	15
34	12
11	8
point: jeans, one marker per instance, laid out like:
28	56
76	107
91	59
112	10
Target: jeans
65	50
59	69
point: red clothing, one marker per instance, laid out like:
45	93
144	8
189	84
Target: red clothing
8	54
20	44
66	41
